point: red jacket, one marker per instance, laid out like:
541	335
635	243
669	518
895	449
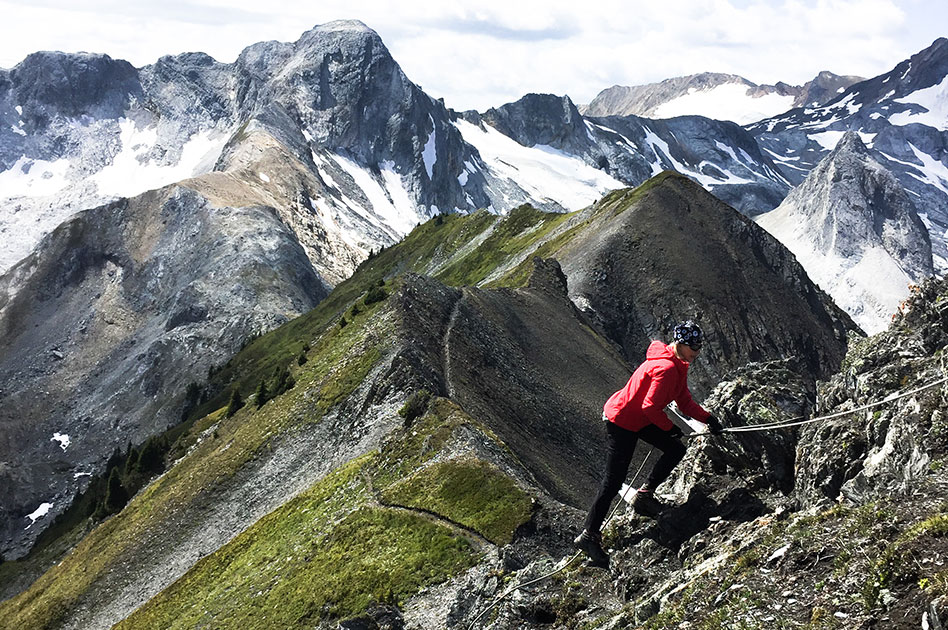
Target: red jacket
662	378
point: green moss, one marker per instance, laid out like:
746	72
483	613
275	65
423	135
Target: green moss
470	492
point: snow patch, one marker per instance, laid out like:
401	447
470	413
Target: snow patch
63	439
34	178
430	154
541	171
730	101
933	99
130	173
40	512
829	139
390	204
264	177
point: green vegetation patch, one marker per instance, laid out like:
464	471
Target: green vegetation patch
901	562
470	492
419	443
317	557
515	234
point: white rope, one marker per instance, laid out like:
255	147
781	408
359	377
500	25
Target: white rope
797	422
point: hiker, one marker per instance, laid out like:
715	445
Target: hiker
637	411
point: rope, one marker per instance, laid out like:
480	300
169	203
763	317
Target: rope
800	420
615	509
766	426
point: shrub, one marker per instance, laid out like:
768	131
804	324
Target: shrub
263	395
415	406
116	496
375	294
283	381
301	359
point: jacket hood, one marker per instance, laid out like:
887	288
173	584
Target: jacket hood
659	350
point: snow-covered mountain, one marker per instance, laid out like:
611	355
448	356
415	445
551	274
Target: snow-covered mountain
855	230
901	116
715	95
719	155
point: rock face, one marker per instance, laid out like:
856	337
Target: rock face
856	231
106	325
720	96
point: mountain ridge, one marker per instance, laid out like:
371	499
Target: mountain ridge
746	102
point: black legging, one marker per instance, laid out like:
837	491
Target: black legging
621	448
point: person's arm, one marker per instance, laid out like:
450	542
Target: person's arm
690	408
652	405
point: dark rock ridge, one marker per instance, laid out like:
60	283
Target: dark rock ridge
857	231
677	252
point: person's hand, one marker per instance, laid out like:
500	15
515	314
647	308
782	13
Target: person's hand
714	425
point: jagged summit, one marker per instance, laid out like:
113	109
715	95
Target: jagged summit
544	119
852	224
353	25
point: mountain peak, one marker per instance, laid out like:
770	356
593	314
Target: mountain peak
856	231
850	143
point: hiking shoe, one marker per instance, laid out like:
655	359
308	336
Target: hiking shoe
592	545
646	504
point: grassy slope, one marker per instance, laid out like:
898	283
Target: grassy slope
333	551
339	360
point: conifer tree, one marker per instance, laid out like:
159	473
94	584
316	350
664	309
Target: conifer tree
151	457
262	394
115	497
236	402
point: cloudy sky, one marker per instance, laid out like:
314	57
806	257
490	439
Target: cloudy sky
486	53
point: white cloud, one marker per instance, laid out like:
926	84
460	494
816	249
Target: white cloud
483	54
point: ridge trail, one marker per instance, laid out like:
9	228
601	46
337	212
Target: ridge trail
446	343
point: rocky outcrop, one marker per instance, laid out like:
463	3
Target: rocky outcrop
857	233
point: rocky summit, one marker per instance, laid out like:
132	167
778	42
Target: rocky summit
856	231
